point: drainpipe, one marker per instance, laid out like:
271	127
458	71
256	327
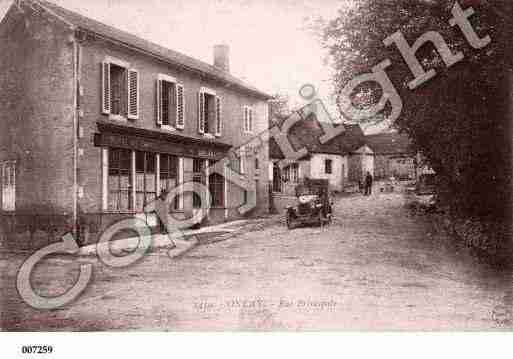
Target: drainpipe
75	139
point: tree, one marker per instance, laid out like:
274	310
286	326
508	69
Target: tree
459	120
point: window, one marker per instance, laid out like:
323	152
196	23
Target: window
198	176
170	102
209	113
237	163
328	166
145	179
248	119
169	175
131	185
8	178
257	164
120	89
291	173
216	187
120	180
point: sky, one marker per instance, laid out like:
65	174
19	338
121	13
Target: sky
269	44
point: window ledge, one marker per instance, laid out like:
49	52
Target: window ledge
117	118
167	128
121	212
209	135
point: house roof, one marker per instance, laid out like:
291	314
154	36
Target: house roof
306	133
173	57
389	143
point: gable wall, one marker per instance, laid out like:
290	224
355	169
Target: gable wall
36	109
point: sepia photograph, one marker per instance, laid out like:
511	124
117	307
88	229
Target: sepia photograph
255	166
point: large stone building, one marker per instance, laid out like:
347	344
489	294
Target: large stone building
97	123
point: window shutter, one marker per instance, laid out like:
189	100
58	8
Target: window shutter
106	87
201	112
180	107
219	125
245	119
133	94
250	119
159	102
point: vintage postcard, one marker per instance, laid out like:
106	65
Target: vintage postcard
255	165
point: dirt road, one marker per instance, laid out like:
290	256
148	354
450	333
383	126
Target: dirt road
377	267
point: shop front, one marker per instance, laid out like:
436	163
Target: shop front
139	165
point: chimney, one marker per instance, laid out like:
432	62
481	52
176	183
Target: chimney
222	57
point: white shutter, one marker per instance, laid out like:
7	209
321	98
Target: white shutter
219	118
106	88
159	102
133	94
201	112
180	106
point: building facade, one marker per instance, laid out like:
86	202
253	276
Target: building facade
326	161
99	123
393	156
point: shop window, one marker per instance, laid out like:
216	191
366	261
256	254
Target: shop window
120	180
328	166
145	179
169	175
8	172
216	187
237	163
198	176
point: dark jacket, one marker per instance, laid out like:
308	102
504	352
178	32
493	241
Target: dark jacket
368	180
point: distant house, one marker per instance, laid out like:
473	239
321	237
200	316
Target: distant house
324	161
393	156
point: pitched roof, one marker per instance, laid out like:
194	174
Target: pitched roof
173	57
306	133
389	143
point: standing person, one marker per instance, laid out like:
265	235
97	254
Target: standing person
368	184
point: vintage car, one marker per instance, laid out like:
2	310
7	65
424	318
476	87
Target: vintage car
313	207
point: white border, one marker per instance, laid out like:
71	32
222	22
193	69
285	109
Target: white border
260	345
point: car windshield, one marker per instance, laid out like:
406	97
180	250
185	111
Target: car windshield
307	198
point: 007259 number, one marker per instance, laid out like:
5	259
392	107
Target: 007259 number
36	349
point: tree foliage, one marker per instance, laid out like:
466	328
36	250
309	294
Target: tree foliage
461	119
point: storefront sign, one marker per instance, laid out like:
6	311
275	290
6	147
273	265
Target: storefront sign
192	150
